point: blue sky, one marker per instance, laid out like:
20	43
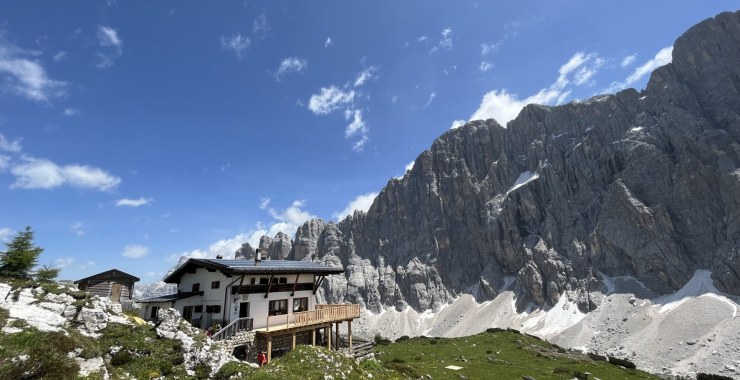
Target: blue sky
134	133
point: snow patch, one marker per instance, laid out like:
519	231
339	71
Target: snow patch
524	178
560	317
701	284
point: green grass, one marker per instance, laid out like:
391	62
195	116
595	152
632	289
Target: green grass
308	362
499	354
44	353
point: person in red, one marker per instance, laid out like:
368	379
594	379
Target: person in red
261	358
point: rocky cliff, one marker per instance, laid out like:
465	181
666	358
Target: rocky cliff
643	184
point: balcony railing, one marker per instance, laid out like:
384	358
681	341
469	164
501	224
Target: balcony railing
322	314
237	325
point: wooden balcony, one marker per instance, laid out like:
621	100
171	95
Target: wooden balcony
322	315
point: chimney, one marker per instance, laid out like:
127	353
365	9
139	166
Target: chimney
219	257
257	255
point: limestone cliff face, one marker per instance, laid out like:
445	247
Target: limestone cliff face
645	184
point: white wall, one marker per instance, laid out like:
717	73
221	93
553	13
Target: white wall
258	307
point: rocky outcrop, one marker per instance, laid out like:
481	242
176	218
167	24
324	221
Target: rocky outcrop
643	184
245	252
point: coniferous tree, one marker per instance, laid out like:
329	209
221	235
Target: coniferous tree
20	256
46	274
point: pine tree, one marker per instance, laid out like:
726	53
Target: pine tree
47	274
21	255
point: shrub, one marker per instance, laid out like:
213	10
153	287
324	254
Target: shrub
402	338
121	357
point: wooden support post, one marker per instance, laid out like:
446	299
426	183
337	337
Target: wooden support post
349	332
269	349
313	337
293	348
327	334
337	332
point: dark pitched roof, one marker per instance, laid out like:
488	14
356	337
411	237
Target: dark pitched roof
239	267
108	274
170	297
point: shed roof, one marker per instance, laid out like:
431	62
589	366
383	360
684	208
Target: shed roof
240	267
108	274
170	297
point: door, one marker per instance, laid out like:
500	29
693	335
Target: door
187	313
243	309
115	293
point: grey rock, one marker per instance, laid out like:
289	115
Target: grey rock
245	252
643	184
168	323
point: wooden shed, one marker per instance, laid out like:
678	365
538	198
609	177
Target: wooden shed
115	284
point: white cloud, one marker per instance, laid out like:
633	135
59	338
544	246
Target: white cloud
9	146
445	42
260	27
112	44
487	48
422	38
25	76
236	43
135	251
77	229
40	173
361	202
71	112
628	60
662	57
356	128
63	262
410	165
264	203
5	234
329	99
60	56
328	42
504	106
457	124
133	202
287	221
431	98
366	75
485	66
290	65
4	162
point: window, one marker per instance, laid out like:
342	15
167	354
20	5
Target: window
264	281
198	309
252	281
283	280
278	307
300	304
274	280
213	308
196	288
215	284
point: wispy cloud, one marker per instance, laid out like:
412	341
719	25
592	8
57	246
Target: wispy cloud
328	42
445	42
290	65
362	203
485	66
63	262
366	75
40	173
489	47
77	229
260	27
286	220
24	76
112	47
457	124
662	57
431	98
504	106
236	43
134	202
628	60
329	99
356	127
5	233
60	56
71	112
135	251
264	203
12	146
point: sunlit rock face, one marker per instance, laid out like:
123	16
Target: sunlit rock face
642	184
